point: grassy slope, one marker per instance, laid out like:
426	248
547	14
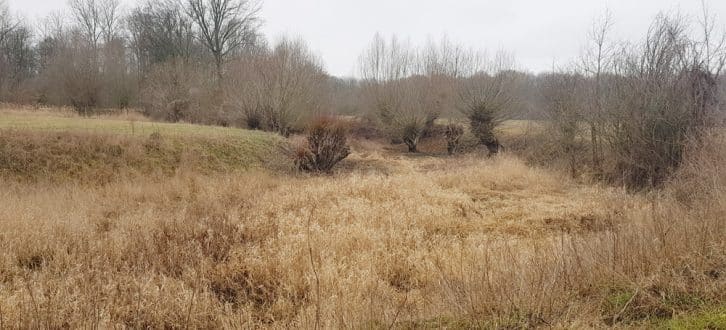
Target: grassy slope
133	125
52	146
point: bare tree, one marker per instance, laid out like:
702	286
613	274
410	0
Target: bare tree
87	14
225	26
54	25
17	52
409	89
562	94
110	18
595	63
383	66
75	71
663	99
159	32
386	61
277	90
711	51
7	23
485	99
712	46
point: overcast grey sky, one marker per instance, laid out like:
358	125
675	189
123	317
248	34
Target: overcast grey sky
539	33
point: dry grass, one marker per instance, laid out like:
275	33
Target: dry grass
391	241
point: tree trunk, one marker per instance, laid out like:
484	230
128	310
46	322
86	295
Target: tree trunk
494	147
218	66
412	145
595	140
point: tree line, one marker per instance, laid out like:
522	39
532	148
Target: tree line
194	60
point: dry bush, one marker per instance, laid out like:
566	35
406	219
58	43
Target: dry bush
177	91
454	133
664	96
327	145
700	180
279	89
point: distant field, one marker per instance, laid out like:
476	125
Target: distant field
134	124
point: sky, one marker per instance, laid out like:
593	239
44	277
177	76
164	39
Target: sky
539	33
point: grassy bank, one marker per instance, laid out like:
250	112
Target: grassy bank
56	148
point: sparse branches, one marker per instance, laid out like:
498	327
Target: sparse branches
277	89
712	45
664	97
109	16
7	22
386	61
596	62
485	98
562	94
160	32
87	14
224	26
410	88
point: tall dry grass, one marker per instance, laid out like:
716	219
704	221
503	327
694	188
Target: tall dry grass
456	243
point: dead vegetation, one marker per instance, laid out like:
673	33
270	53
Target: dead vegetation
463	242
607	213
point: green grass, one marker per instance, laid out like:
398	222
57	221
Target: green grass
714	318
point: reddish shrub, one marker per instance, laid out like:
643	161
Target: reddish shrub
327	145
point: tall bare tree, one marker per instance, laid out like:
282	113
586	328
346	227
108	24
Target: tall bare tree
225	26
110	19
562	94
383	65
159	32
87	14
387	68
596	61
7	23
18	54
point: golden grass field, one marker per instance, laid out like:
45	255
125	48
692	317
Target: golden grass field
388	241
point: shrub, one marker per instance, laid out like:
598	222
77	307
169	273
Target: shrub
453	134
411	134
327	145
664	97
